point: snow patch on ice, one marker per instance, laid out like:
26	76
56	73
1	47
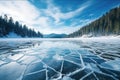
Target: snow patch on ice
2	62
58	57
15	57
67	78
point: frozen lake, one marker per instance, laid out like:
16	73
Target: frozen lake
59	59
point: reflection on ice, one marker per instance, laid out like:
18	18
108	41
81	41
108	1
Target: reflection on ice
59	60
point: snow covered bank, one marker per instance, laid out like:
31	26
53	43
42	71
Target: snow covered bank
12	35
101	38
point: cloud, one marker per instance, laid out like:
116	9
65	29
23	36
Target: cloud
25	13
49	20
20	10
56	13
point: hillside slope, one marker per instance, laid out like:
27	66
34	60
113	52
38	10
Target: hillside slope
108	24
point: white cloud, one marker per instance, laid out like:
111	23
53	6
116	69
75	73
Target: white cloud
27	13
56	13
22	11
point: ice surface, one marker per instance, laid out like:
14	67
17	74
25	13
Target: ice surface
55	59
11	71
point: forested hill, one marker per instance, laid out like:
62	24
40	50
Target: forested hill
8	26
108	24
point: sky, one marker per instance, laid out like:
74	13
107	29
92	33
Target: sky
56	16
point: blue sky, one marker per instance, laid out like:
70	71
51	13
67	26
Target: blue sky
56	16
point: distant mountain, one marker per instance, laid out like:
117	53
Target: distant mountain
53	35
108	24
9	28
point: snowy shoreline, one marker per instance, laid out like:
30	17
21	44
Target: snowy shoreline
76	38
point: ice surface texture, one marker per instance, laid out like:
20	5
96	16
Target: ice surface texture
59	59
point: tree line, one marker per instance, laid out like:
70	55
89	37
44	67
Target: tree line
108	24
8	25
